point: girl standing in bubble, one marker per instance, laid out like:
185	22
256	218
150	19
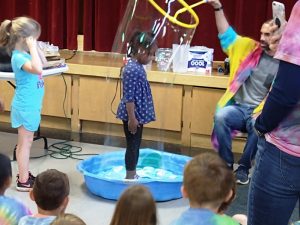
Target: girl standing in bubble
20	36
136	106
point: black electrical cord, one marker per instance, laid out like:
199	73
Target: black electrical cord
65	95
64	150
116	90
72	56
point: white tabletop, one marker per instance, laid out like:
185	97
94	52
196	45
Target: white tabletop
46	72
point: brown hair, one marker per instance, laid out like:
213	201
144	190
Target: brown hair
208	180
136	206
5	170
50	189
21	27
68	219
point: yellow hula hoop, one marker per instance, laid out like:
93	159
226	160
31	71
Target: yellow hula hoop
174	19
185	9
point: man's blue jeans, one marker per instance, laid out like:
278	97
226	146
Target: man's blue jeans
275	186
235	117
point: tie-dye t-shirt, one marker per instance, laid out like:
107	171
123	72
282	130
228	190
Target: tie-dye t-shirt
11	211
32	220
287	135
289	46
197	216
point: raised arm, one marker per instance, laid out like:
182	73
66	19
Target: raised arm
221	21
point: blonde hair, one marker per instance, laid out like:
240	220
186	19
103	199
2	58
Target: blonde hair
21	27
68	219
136	206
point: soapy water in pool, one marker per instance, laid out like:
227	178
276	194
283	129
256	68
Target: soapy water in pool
147	172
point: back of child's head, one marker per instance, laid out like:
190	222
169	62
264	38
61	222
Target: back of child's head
140	40
5	170
136	206
68	219
21	27
208	180
50	189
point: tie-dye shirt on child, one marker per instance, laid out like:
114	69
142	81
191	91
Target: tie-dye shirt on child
11	211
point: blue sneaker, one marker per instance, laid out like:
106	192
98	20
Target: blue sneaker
242	175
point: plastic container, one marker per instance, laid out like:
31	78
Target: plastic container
163	57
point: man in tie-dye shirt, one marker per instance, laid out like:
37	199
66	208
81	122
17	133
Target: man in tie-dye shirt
10	209
252	71
275	185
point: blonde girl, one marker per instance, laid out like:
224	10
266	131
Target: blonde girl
20	36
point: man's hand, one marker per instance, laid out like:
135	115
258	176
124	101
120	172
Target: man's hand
215	3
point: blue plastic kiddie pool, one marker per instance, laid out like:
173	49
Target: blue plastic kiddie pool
161	172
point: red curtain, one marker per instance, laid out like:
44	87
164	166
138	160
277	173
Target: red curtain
58	18
100	23
101	19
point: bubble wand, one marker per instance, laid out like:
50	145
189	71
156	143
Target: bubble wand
186	7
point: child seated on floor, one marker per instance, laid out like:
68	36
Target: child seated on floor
68	219
51	194
10	209
136	206
209	185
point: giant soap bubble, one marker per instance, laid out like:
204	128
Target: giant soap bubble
171	22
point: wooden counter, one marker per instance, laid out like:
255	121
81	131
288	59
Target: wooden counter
81	100
108	65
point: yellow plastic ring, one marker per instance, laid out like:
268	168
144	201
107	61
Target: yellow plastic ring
192	6
174	19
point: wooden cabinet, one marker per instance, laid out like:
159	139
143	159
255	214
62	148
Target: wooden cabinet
81	101
204	101
57	98
96	102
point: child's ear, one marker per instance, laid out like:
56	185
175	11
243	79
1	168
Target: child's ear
64	204
7	183
183	192
31	195
230	196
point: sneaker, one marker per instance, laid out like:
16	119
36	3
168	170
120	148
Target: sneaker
242	175
27	186
29	175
